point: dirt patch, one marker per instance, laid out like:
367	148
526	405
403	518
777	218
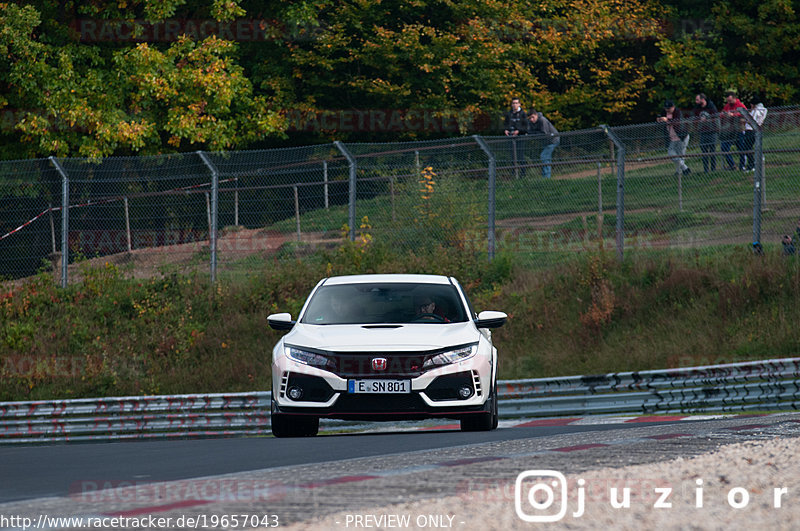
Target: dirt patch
233	244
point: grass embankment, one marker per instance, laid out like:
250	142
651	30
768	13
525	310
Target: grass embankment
176	334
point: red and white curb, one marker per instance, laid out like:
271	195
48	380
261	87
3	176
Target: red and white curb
524	423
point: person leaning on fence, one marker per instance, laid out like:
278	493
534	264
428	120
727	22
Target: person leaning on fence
545	131
705	112
732	129
759	114
516	124
677	136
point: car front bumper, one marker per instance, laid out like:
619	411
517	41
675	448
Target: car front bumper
433	394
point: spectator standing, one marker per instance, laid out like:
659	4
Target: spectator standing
732	131
759	114
705	112
515	119
788	245
516	124
677	136
546	133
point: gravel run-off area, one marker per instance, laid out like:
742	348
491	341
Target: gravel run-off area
750	485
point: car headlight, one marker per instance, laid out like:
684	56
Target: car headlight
309	358
451	356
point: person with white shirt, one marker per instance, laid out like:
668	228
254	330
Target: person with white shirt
759	114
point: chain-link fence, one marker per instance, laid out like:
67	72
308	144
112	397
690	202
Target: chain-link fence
625	188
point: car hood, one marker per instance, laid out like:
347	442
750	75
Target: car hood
388	338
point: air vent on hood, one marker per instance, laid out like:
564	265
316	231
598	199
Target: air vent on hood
382	326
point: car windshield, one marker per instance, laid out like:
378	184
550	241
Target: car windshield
389	303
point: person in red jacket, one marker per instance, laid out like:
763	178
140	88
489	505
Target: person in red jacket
732	129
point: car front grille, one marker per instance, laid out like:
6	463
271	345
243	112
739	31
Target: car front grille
360	364
380	403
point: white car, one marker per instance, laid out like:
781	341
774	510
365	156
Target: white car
382	348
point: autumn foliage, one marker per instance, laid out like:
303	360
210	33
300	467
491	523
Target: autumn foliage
128	87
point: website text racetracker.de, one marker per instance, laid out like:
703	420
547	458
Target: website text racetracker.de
201	521
388	120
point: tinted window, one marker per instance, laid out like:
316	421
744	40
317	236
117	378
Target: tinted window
385	303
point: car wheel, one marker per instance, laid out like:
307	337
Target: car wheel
484	421
294	426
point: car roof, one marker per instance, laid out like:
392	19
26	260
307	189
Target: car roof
361	279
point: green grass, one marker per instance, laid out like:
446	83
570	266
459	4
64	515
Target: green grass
570	313
709	208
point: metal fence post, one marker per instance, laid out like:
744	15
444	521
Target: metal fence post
212	237
758	178
52	227
127	222
325	180
620	191
64	221
236	203
492	186
352	196
297	212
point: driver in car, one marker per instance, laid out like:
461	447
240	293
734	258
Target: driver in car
429	311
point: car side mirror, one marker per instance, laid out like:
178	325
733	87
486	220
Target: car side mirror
490	319
280	321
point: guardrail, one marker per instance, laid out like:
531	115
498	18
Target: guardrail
747	386
135	417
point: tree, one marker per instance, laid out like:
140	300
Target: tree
585	61
743	45
94	100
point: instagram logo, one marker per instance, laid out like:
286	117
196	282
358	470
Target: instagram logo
539	490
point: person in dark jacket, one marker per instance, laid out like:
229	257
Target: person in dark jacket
706	114
515	120
547	135
732	129
516	124
788	245
677	136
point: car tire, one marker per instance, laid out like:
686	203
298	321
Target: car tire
484	421
294	425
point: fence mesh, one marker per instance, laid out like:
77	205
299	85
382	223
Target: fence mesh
543	217
143	213
270	198
419	194
552	196
30	230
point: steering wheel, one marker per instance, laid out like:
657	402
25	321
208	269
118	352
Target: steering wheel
429	316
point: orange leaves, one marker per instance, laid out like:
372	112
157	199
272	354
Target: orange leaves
427	183
427	188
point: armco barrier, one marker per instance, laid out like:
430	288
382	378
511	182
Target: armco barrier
747	386
134	417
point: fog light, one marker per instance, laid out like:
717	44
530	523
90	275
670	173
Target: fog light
465	392
295	393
